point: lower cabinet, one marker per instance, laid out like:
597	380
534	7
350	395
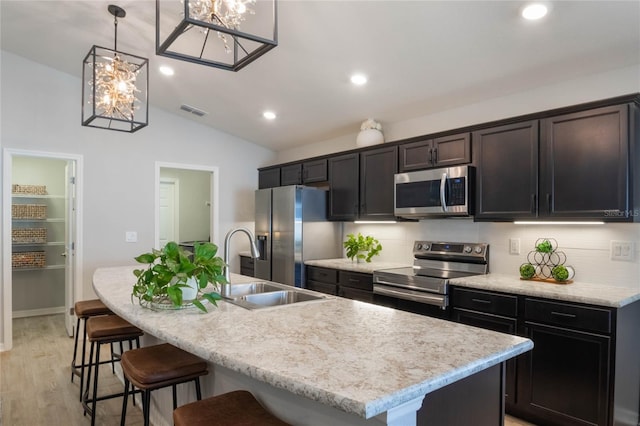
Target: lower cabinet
352	285
584	368
247	266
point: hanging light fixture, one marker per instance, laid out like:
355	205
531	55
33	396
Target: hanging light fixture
208	32
115	86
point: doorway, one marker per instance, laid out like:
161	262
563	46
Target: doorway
41	213
186	204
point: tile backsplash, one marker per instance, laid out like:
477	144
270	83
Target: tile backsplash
587	247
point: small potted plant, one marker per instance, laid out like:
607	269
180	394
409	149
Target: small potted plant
173	272
361	247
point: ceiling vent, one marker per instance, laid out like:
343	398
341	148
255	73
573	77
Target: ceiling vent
193	110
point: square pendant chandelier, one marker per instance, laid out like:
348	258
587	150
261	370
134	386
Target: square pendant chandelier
115	86
226	34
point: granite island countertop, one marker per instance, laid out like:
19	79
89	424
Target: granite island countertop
581	292
337	351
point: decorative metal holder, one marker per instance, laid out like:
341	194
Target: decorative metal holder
208	32
544	262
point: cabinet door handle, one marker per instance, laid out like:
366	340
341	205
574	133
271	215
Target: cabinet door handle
549	203
435	156
486	302
563	315
430	155
533	203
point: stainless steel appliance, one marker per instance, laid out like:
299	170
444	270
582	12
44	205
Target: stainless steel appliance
436	192
291	227
427	282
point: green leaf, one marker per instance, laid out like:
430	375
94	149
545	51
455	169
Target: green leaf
146	258
199	305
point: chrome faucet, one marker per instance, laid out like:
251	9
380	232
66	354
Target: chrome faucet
254	249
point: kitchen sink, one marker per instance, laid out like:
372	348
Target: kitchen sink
263	295
232	291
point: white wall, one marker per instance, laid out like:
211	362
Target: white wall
585	89
587	248
40	111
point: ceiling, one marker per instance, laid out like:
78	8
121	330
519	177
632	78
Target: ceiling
421	57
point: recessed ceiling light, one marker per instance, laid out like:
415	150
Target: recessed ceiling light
534	11
269	115
359	79
166	70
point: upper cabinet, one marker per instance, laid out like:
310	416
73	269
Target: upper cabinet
303	173
377	170
507	171
361	185
584	165
344	186
582	171
269	178
439	152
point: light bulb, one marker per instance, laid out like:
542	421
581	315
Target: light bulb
534	11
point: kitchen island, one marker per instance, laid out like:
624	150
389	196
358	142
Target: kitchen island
332	361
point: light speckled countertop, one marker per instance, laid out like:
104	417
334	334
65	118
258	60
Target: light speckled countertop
595	294
348	265
360	358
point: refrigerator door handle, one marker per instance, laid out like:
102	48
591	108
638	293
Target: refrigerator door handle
262	246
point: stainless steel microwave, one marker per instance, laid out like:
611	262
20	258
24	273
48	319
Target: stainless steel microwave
434	193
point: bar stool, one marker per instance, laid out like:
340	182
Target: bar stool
229	409
83	310
159	366
101	330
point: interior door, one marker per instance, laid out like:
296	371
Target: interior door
69	244
169	220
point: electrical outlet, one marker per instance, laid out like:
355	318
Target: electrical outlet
514	245
622	250
131	236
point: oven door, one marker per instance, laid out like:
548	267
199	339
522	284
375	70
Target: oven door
438	300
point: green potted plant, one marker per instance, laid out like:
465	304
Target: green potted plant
173	271
362	247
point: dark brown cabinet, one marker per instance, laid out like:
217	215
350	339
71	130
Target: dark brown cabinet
491	311
567	378
439	152
304	173
582	171
584	165
247	266
324	280
269	178
344	187
377	170
507	171
583	368
361	185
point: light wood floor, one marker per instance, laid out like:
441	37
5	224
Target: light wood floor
35	380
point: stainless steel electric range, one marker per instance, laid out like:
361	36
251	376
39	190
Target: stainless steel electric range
424	288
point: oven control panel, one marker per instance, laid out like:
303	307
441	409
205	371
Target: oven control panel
452	250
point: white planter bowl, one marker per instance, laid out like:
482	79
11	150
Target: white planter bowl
369	137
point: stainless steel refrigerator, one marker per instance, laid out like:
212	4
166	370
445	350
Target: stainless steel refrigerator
291	227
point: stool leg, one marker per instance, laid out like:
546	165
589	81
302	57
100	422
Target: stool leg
198	392
113	364
85	393
75	351
146	405
125	399
95	387
84	351
175	398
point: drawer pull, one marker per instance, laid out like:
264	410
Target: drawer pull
562	314
353	280
486	302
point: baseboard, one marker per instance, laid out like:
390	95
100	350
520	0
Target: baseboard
39	312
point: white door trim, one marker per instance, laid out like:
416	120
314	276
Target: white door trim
176	207
7	293
215	178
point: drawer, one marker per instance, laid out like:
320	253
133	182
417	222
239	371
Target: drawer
324	275
322	287
483	301
568	315
246	262
356	280
355	294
